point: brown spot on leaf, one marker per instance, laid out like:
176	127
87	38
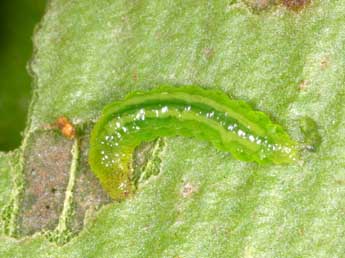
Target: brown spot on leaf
188	189
208	52
303	85
325	62
296	5
135	76
301	231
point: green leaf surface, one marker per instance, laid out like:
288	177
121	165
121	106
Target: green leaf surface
203	202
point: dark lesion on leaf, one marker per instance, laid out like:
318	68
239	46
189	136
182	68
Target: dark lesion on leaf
262	5
296	5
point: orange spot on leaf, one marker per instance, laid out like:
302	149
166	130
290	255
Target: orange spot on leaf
66	127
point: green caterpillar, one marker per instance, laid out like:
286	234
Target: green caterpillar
210	115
